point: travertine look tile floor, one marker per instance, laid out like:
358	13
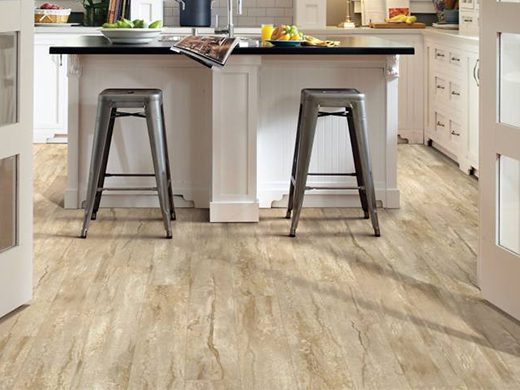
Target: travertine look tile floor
242	306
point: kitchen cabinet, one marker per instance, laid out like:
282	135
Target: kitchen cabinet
310	13
50	90
149	10
469	18
452	90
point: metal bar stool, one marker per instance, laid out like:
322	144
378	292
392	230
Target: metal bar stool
110	100
354	104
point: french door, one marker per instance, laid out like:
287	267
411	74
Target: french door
499	262
16	64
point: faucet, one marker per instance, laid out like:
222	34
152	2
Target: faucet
230	29
182	4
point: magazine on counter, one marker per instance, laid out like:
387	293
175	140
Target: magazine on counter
209	51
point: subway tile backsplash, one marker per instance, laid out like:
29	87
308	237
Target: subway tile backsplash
255	12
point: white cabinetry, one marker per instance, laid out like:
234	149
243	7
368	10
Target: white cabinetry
50	90
310	13
148	10
451	120
469	17
411	87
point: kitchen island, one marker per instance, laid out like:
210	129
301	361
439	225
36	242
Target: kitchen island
231	131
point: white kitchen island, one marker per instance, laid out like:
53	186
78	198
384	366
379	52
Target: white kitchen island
231	131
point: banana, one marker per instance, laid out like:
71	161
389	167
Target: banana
397	18
411	19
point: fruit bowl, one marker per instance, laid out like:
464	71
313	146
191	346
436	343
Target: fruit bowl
131	35
285	43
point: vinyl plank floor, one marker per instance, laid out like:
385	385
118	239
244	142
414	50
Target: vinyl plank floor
242	306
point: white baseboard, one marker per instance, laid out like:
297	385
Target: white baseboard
234	212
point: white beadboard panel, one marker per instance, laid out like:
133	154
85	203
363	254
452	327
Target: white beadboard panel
331	152
233	91
187	89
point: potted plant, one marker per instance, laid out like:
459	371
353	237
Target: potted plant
96	12
447	11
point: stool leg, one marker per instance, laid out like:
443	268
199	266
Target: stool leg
360	122
104	163
357	162
98	148
153	114
168	167
309	118
290	203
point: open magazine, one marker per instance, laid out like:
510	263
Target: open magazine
209	51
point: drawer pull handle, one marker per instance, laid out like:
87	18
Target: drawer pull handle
440	55
440	124
453	132
440	87
468	20
455	59
454	93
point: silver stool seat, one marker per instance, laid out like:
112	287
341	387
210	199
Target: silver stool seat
151	101
353	103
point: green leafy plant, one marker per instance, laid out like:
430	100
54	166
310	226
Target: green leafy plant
96	12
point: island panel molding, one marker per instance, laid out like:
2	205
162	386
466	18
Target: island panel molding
235	111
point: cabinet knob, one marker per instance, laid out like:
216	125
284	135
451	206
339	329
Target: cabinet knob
455	133
440	124
454	93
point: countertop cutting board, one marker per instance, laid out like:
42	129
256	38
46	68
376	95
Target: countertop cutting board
398	25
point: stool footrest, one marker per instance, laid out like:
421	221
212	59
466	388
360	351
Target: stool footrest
343	114
127	189
119	114
130	175
331	174
334	188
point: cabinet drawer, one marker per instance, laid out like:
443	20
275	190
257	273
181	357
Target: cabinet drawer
456	94
441	123
466	4
440	55
468	22
455	131
455	58
441	89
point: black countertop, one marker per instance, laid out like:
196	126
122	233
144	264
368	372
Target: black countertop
354	45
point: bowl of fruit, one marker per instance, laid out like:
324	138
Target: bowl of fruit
286	36
51	14
132	31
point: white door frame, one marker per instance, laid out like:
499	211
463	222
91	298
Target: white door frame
499	268
16	140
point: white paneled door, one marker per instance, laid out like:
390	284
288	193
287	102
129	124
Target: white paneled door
499	263
16	105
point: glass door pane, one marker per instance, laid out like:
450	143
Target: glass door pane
8	78
8	202
510	79
509	204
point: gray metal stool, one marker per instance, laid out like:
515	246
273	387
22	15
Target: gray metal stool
151	100
354	104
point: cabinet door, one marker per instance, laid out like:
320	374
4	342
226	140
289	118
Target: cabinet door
50	91
473	111
149	10
311	13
